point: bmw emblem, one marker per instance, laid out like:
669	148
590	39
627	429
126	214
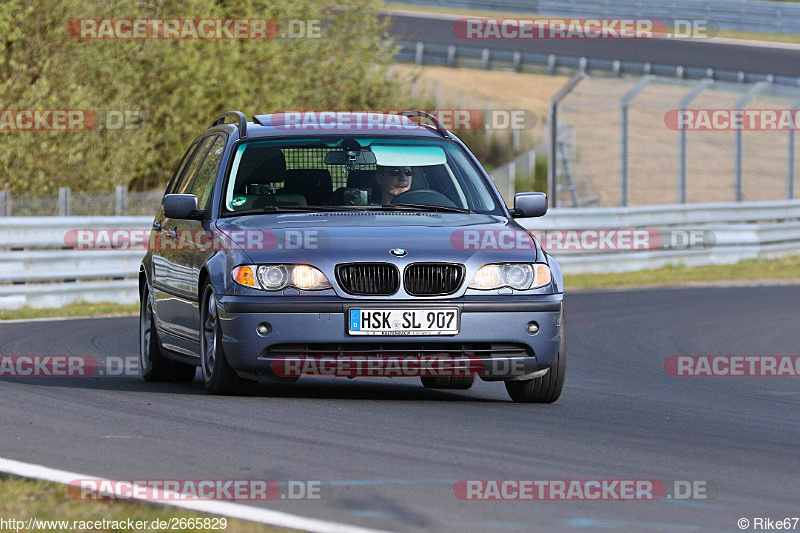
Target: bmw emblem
398	252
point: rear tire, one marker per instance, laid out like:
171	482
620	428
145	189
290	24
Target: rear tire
152	363
448	382
218	376
547	388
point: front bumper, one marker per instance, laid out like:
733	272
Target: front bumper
492	331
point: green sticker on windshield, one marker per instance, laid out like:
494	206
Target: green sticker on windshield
239	200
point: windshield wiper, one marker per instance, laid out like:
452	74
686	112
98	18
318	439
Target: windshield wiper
424	207
304	208
289	209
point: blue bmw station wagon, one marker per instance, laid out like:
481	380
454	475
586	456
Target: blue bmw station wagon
360	245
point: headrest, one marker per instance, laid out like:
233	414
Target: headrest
305	180
261	164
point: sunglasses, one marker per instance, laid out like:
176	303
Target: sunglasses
396	172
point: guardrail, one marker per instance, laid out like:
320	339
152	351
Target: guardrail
423	53
743	15
740	231
39	269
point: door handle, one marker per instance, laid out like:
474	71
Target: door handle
172	233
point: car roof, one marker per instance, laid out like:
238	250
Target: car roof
306	123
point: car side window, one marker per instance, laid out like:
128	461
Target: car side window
187	179
182	165
207	176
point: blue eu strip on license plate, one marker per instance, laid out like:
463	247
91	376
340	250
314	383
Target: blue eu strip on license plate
429	321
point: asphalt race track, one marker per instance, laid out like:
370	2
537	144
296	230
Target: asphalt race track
393	450
696	53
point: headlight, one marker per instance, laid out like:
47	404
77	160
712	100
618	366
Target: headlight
273	278
518	276
309	278
279	277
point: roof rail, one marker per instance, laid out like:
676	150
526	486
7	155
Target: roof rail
424	114
233	114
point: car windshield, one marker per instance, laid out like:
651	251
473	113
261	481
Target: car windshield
356	173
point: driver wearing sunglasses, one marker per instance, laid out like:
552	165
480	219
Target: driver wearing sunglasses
393	181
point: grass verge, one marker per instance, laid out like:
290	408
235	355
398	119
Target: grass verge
754	270
23	499
727	34
78	310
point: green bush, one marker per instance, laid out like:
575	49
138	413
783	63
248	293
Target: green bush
538	183
177	86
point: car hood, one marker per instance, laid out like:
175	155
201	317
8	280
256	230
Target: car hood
371	236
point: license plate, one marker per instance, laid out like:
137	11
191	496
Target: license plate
437	321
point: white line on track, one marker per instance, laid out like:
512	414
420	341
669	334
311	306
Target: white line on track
231	510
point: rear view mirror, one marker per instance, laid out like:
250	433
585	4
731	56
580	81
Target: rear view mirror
350	157
530	204
181	206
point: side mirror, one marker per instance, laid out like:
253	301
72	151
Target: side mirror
530	204
181	206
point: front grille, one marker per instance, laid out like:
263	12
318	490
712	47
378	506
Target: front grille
364	349
368	279
432	279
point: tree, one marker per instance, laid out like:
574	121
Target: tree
176	86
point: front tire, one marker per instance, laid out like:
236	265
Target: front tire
218	376
152	363
547	388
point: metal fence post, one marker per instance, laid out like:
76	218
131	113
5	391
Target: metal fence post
790	165
512	181
552	159
623	164
121	207
487	121
790	155
4	204
451	55
754	91
418	56
684	103
64	194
